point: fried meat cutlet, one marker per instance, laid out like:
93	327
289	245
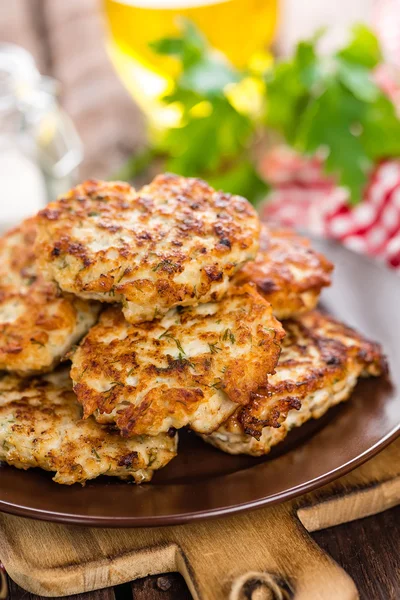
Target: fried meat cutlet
176	242
193	367
320	362
38	323
41	426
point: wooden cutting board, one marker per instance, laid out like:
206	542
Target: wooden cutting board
264	554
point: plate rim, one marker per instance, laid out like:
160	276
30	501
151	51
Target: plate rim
190	517
295	491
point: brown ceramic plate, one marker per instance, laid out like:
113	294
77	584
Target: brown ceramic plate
203	482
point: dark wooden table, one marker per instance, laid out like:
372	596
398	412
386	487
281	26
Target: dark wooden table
367	549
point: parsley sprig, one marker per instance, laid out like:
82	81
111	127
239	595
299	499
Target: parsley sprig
328	105
331	103
212	139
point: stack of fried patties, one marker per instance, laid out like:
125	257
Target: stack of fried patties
166	301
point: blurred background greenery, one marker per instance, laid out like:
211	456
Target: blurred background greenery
216	99
281	101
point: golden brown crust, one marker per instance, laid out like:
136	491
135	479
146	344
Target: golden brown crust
38	323
175	242
317	353
287	272
193	367
41	426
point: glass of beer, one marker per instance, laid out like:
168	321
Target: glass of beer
241	29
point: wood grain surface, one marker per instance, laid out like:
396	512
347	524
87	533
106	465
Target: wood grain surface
368	549
224	558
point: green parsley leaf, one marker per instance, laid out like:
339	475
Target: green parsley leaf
332	103
363	48
208	118
189	48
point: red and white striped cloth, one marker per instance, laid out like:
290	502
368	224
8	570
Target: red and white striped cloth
306	199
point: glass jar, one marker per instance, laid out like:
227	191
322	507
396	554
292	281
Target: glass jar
40	150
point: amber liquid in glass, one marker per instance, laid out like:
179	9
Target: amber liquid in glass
241	29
